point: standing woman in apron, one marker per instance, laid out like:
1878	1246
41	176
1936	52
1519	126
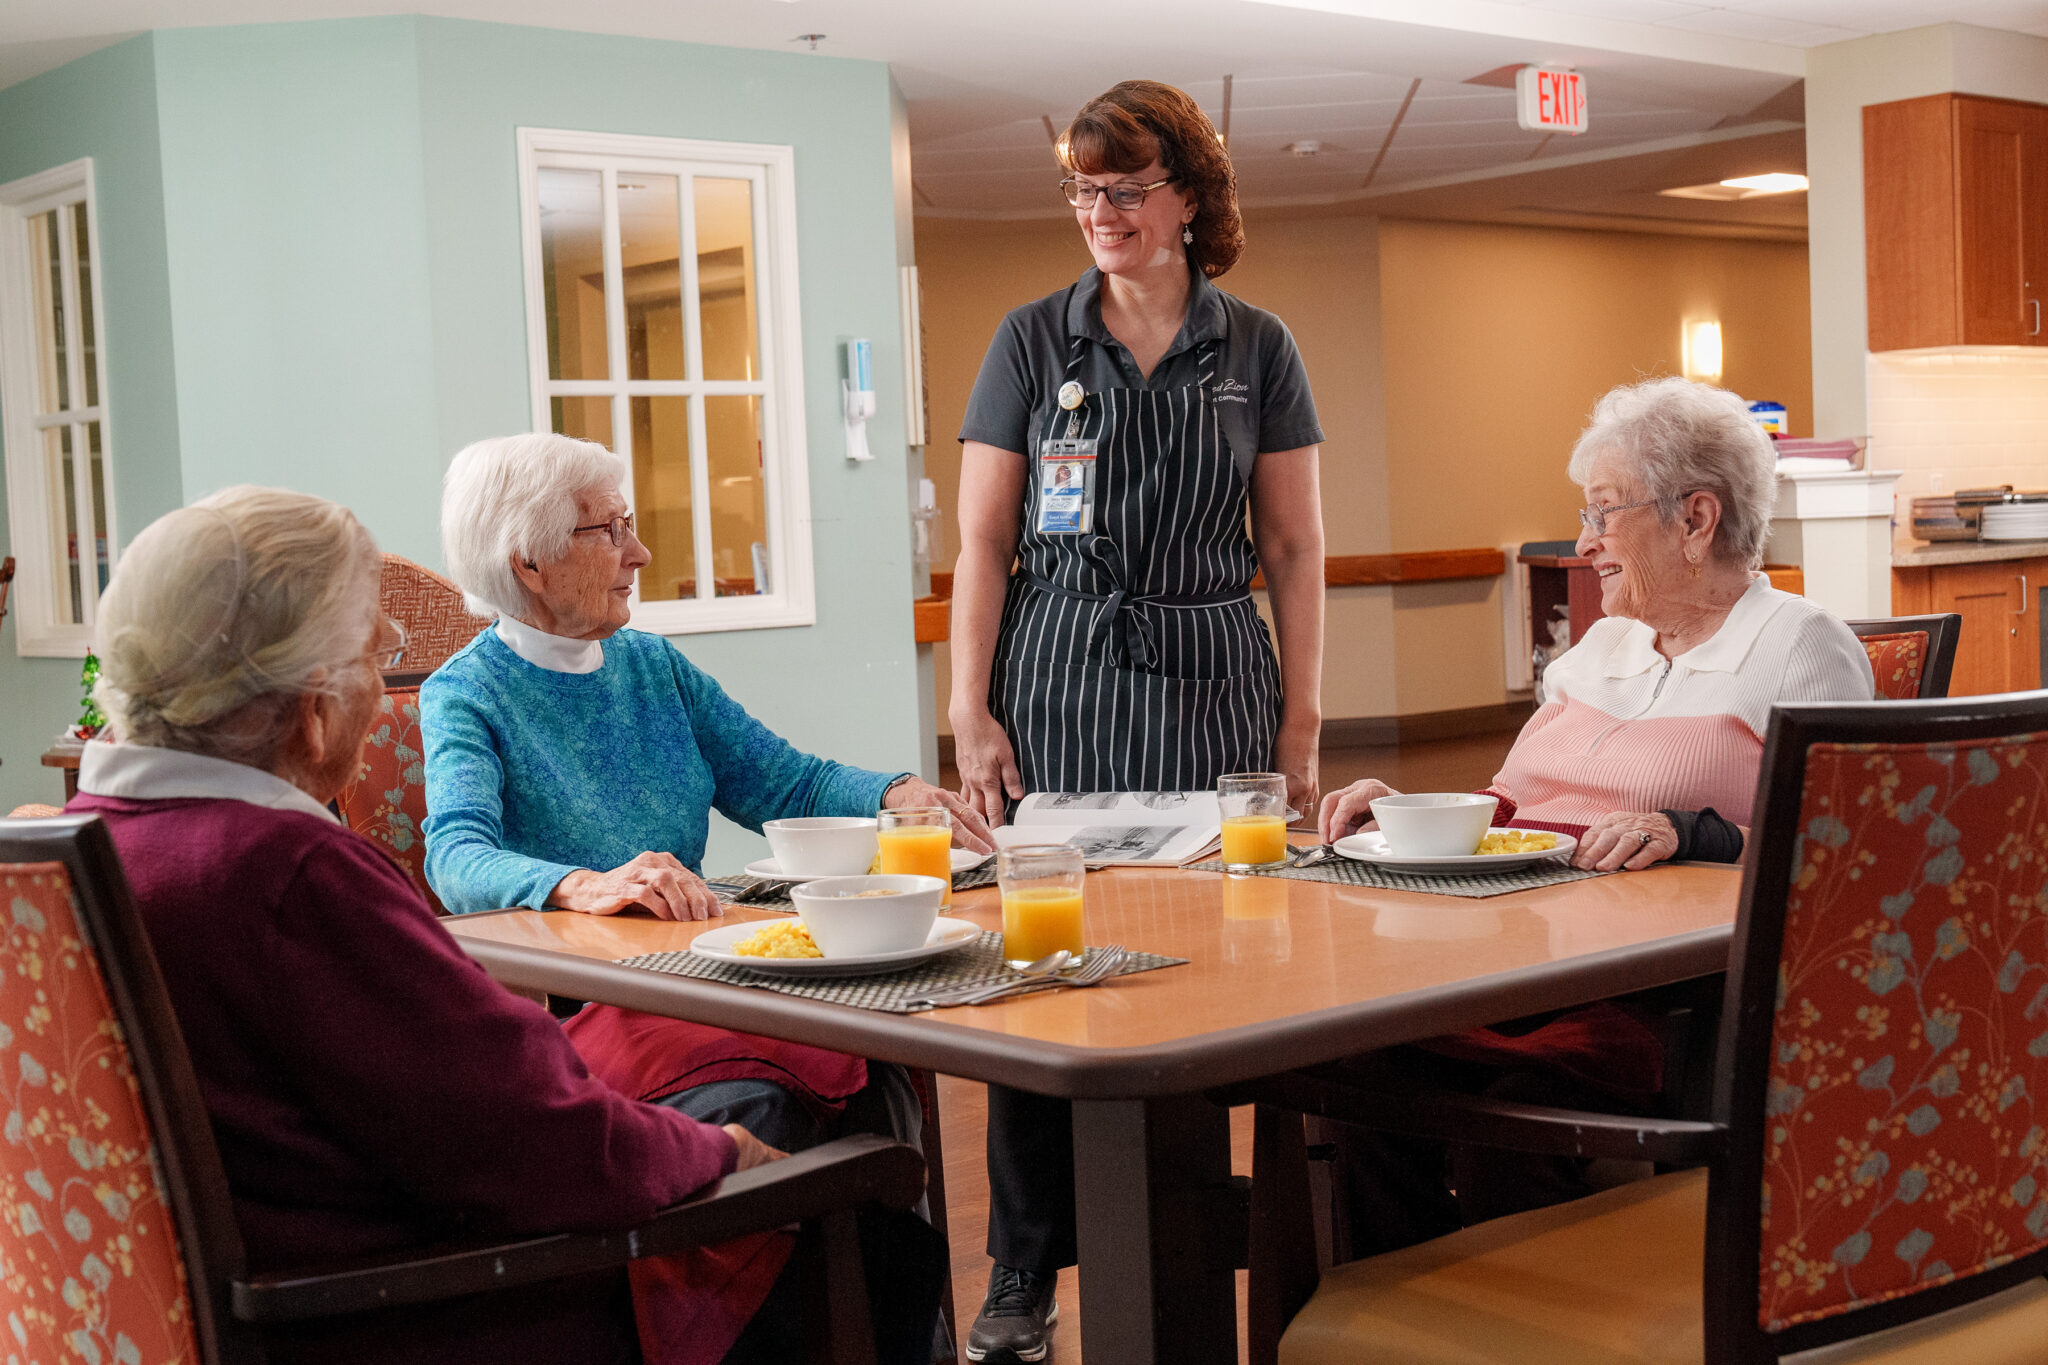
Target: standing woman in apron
1138	446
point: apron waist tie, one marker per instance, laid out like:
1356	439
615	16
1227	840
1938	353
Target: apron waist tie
1113	613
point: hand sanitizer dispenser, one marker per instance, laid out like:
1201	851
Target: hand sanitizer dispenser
859	389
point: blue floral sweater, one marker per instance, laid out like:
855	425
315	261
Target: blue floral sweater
532	774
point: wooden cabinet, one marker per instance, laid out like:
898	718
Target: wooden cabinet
1955	205
2000	603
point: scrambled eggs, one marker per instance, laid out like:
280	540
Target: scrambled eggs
1517	841
787	938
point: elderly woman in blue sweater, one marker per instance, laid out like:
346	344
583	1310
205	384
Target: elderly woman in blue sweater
573	763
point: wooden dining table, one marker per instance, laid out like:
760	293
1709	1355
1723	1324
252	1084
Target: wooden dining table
1280	974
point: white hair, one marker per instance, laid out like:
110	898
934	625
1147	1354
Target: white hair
223	613
1678	437
515	497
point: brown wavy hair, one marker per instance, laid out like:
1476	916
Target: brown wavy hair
1122	129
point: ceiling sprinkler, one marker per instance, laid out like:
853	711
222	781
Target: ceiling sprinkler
812	38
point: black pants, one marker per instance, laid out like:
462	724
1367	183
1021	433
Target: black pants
1401	1190
1030	1181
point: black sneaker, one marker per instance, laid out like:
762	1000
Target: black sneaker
1016	1317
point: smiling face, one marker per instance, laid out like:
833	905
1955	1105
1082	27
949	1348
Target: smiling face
1128	241
587	593
1641	556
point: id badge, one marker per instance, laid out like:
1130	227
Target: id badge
1066	487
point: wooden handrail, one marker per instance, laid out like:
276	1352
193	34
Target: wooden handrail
933	614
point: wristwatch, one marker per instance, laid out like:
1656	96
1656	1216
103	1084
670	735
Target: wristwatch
884	803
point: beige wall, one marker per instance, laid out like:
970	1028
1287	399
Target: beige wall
1452	367
1498	342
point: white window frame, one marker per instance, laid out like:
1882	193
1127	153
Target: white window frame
785	459
40	567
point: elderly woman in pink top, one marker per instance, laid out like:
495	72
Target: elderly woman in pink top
1649	736
1646	746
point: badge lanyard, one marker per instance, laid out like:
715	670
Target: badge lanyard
1066	473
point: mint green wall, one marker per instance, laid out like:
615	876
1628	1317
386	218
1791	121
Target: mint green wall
337	225
296	222
102	106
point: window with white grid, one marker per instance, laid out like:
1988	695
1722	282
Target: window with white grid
662	322
53	390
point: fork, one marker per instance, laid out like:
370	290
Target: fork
1309	857
1107	962
763	891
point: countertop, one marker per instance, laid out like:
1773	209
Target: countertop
1933	554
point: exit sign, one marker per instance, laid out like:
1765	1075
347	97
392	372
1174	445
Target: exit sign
1550	101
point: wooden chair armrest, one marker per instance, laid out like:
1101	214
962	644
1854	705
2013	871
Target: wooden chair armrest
1453	1117
849	1173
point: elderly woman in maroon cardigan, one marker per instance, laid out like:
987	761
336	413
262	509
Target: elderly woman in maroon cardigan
370	1087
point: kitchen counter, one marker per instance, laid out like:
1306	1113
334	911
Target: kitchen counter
1934	554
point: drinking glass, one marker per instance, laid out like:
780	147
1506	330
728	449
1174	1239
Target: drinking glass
1041	901
918	841
1254	820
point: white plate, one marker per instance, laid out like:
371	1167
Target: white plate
1371	847
963	859
947	934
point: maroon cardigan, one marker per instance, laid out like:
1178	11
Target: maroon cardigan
372	1089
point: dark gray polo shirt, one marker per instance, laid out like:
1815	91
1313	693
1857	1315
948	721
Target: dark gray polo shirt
1260	386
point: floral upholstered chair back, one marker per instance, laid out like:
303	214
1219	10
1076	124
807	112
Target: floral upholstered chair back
1897	661
388	799
1906	1114
90	1268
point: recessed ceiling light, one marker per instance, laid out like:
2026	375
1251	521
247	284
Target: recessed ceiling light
1307	146
1777	182
1742	187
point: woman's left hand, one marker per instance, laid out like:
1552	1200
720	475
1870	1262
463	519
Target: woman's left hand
1295	756
970	831
1631	839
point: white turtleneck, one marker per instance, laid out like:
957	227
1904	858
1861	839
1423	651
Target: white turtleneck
555	653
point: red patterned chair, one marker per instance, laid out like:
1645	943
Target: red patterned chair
118	1241
431	610
1911	656
1877	1153
387	802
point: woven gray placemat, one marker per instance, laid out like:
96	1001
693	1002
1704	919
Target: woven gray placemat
728	889
1351	872
980	962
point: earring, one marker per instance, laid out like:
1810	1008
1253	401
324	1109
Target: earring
1694	561
1187	235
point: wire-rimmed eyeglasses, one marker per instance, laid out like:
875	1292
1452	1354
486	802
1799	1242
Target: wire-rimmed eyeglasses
388	656
1127	195
618	527
1594	517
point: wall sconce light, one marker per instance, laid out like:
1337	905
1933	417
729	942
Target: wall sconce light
1701	348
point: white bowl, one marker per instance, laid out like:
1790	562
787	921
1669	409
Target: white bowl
845	923
1434	824
822	845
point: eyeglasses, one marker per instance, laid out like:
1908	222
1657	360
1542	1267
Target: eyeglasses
1594	519
1125	194
387	657
618	527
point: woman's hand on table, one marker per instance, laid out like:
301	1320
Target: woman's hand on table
1350	810
656	880
987	764
753	1151
1631	839
970	831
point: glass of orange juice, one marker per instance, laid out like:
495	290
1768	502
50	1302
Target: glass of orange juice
1254	820
918	841
1041	901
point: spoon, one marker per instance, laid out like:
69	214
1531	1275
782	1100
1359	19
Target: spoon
1045	968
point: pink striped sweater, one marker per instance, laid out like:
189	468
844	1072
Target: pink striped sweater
1622	728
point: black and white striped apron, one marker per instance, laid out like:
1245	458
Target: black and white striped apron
1132	658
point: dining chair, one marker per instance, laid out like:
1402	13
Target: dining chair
386	802
121	1243
1911	656
436	621
1873	1173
